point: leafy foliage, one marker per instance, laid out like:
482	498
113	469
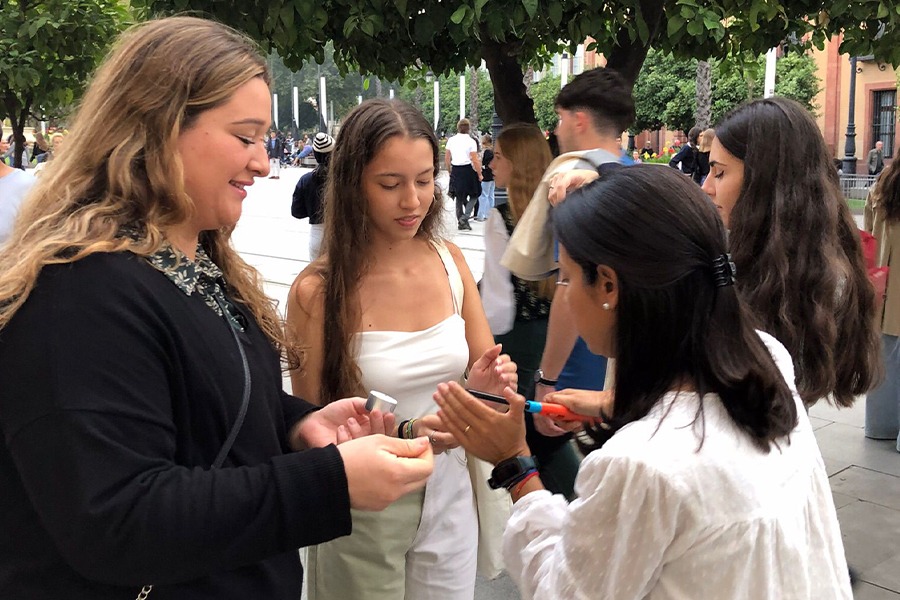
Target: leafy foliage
401	39
47	50
665	91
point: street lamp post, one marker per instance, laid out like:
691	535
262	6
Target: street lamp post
849	161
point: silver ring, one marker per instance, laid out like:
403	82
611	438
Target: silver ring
466	430
431	437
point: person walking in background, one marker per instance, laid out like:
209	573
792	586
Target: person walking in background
876	158
704	143
461	160
274	150
714	456
686	157
147	436
486	200
310	193
391	306
883	222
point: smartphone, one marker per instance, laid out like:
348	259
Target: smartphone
494	401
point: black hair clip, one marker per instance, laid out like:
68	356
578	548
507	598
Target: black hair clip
724	271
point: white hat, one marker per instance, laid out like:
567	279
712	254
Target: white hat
323	143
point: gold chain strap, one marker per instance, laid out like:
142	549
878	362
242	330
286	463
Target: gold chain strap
145	591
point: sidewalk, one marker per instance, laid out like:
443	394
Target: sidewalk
865	474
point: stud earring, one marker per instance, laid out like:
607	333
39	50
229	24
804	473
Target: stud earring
605	306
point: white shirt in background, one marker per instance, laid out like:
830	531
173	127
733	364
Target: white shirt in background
461	146
13	189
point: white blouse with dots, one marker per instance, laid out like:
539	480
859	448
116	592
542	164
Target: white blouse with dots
660	516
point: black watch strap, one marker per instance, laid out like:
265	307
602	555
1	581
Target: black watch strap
511	471
541	380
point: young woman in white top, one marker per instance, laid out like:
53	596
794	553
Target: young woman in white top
713	486
391	306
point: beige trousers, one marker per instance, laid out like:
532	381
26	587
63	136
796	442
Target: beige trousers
422	547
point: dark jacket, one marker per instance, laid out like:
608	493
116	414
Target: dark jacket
307	198
275	148
687	156
117	391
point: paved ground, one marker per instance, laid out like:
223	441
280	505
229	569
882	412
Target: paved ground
865	475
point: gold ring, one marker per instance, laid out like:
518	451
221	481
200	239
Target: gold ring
466	430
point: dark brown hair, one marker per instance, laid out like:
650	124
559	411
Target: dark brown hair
674	324
886	195
363	134
797	250
605	95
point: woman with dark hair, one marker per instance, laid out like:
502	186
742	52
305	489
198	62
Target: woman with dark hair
713	486
310	193
391	306
796	246
883	222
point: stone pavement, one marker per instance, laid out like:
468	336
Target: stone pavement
865	474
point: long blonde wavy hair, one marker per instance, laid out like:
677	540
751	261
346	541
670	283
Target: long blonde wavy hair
524	145
121	170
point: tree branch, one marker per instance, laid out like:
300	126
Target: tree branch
628	56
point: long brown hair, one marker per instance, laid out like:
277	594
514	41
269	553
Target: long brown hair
525	147
363	134
796	246
119	170
886	195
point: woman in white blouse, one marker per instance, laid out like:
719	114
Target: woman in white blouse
713	486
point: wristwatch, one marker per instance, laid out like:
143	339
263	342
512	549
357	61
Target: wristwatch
540	379
509	472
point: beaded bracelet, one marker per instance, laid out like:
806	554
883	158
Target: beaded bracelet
400	429
517	487
410	434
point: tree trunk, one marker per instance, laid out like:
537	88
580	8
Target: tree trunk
473	98
511	102
379	92
703	116
528	80
627	57
18	115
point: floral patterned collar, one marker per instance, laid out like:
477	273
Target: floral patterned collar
200	276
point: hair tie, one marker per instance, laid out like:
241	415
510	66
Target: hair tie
724	271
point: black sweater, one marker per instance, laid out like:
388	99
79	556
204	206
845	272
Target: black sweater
116	392
307	198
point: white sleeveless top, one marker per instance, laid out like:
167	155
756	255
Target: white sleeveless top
408	365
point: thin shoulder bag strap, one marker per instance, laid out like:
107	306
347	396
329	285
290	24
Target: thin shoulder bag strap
245	399
238	422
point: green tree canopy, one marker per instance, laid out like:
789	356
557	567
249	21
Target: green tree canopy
401	38
665	91
47	50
